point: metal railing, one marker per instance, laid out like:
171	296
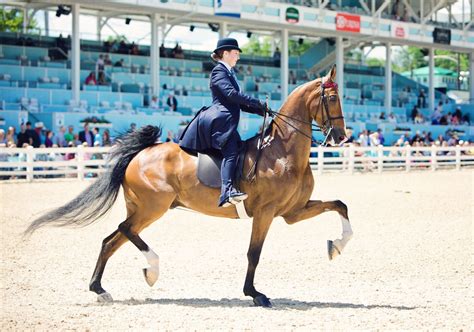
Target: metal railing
88	162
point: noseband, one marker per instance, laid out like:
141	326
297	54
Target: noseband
327	119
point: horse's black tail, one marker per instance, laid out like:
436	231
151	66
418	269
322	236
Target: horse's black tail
97	199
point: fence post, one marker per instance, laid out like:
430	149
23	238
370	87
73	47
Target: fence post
458	157
433	157
380	158
351	158
30	153
320	159
408	158
80	162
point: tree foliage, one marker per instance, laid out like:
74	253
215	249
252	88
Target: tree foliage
12	20
263	47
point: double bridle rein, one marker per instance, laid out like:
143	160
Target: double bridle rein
325	128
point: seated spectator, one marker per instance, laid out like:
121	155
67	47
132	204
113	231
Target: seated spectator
97	137
123	48
134	49
177	52
154	102
292	77
120	63
249	71
32	136
422	99
414	112
382	116
49	139
106	140
61	43
436	116
419	118
172	102
102	80
3	139
90	80
392	118
107	60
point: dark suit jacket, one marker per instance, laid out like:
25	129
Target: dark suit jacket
213	126
82	136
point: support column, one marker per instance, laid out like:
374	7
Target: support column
75	54
46	22
471	78
25	20
431	92
340	67
284	64
155	56
223	30
99	27
388	79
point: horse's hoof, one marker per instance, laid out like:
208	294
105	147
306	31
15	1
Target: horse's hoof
105	298
333	252
262	301
151	275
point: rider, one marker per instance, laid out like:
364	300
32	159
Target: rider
215	128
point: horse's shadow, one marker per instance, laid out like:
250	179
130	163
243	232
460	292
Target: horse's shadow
278	304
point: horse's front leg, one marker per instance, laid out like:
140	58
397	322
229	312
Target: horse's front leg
261	223
314	208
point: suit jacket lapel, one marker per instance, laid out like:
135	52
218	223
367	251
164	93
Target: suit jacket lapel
233	79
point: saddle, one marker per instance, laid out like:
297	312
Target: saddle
209	168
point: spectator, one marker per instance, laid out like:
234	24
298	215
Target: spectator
436	116
172	102
381	137
392	118
120	63
22	137
414	112
134	49
292	77
163	51
122	48
249	71
49	139
97	137
177	52
86	136
61	43
99	65
422	99
133	127
107	61
277	57
154	103
398	10
69	136
60	137
419	118
382	116
10	137
32	136
106	140
3	139
102	80
90	80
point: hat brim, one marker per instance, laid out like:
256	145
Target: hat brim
227	48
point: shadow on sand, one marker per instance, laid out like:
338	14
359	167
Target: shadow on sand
278	304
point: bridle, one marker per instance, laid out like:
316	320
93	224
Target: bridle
326	127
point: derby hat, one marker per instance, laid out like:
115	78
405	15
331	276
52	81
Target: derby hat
227	44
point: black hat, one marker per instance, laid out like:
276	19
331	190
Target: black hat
227	44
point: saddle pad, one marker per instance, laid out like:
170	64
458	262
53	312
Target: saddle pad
209	170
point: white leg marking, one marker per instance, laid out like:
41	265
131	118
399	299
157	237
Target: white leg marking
151	273
346	234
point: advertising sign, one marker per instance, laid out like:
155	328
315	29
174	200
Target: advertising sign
292	15
346	22
442	36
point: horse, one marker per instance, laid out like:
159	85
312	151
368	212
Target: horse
159	176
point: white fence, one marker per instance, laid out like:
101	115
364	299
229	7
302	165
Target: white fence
81	162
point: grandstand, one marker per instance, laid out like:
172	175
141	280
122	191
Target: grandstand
43	81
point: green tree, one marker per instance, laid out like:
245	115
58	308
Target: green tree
12	20
408	58
375	62
446	63
263	47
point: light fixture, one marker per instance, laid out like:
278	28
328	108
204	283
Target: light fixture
128	20
191	28
214	27
249	34
300	41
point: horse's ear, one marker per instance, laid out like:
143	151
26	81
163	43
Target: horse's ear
331	76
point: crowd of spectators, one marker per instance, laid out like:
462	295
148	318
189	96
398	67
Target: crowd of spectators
439	117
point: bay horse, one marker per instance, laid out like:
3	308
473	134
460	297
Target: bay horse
159	176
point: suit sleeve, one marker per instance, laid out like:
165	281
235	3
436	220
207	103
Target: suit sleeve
220	79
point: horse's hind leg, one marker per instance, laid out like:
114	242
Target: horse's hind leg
314	208
109	245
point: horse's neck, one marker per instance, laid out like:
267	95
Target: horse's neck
293	128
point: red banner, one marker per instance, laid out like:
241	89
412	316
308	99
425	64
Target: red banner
346	22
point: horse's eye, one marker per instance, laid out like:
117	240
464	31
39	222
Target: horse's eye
333	98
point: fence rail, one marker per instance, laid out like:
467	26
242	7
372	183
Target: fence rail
84	162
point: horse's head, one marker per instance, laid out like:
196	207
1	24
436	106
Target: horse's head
326	110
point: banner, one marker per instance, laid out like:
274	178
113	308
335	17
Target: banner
398	31
442	36
231	8
346	22
292	15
